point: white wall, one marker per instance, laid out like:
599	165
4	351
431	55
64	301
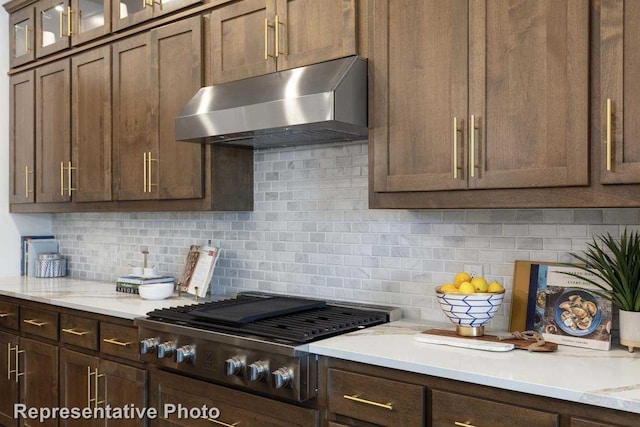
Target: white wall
11	225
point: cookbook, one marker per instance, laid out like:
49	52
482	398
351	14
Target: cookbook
568	311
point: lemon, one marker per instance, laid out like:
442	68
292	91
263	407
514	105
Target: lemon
460	278
495	287
466	288
448	287
480	284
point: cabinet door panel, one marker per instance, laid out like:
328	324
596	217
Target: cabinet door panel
8	384
53	131
75	386
528	69
620	62
126	13
177	59
91	125
169	6
238	40
132	117
21	138
22	36
419	66
122	385
314	31
51	27
39	385
90	19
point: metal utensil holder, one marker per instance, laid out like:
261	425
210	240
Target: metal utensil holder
51	264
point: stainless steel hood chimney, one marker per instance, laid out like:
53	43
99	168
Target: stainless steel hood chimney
324	102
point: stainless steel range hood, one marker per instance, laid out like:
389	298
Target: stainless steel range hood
324	102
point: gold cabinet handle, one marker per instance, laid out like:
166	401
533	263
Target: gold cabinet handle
9	371
608	140
34	322
472	146
277	28
266	39
222	423
69	169
357	398
4	315
90	399
26	182
116	342
149	160
69	14
455	148
26	38
464	424
74	332
62	178
144	172
18	352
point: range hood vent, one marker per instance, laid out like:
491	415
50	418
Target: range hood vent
325	102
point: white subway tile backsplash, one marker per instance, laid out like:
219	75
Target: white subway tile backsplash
311	233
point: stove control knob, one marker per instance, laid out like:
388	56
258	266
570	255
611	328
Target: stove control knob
258	370
186	353
282	378
234	365
166	349
149	345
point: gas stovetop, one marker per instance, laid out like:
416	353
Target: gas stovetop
255	342
281	319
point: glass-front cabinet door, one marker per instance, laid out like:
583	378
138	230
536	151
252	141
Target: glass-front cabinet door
89	19
52	27
126	13
22	41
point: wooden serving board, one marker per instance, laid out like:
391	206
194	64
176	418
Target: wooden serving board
518	343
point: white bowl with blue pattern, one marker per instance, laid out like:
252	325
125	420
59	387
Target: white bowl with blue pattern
469	312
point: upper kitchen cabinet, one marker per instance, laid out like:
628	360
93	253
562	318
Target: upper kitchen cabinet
21	137
620	79
126	13
524	66
52	27
22	36
154	75
88	20
255	37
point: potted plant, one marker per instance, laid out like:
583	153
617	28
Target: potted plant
616	262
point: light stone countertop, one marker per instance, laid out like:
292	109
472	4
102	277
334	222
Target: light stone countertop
609	379
78	294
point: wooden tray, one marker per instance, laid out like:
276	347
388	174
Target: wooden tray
518	343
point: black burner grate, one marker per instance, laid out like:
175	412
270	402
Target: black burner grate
299	328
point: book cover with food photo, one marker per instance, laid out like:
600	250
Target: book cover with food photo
573	314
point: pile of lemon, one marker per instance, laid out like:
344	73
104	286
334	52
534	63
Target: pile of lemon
463	283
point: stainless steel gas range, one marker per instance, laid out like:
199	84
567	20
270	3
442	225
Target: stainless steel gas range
254	342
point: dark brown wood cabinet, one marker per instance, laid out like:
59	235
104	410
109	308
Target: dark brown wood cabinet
22	137
22	36
620	83
523	125
127	13
53	132
8	379
88	20
579	422
236	408
154	75
38	363
52	27
255	37
88	381
90	126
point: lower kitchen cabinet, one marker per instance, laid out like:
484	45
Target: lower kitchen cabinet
88	381
8	380
37	366
449	409
235	407
376	400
